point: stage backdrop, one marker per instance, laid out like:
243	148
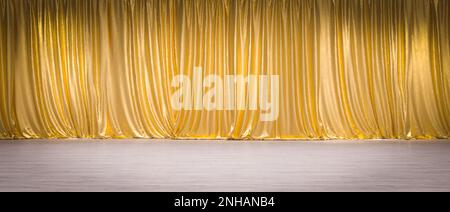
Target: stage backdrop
283	69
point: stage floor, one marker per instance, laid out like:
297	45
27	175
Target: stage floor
157	165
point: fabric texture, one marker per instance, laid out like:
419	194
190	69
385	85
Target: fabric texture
348	69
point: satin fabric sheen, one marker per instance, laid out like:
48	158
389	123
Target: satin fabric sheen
349	69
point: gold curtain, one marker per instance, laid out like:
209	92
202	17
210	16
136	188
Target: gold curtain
103	68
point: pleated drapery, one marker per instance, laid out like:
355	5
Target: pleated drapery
103	68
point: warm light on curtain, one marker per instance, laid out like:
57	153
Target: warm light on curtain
103	68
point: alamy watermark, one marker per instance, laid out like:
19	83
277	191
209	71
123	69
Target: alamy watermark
232	92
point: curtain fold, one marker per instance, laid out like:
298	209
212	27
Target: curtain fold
348	69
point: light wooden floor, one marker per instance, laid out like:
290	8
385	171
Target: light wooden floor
155	165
